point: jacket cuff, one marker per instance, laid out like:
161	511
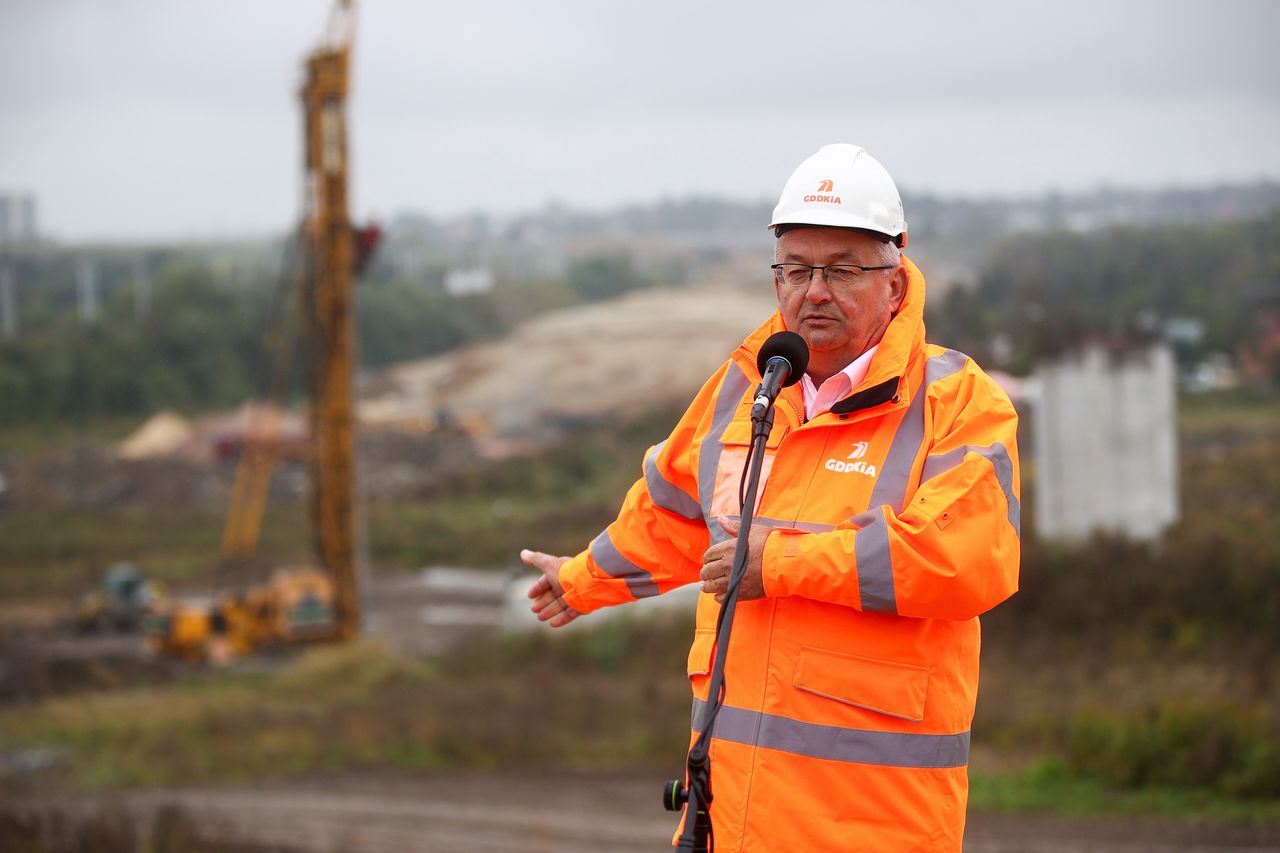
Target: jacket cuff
779	551
576	579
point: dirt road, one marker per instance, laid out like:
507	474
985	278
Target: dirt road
566	813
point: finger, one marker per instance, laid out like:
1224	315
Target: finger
718	551
564	618
545	608
539	587
711	571
543	599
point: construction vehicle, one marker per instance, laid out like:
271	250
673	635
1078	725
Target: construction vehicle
320	601
121	602
294	605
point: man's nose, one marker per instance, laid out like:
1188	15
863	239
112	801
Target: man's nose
819	289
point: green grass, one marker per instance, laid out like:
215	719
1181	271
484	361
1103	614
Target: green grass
609	699
1048	787
514	702
1228	414
64	552
52	434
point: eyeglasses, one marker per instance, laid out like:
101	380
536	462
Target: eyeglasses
838	275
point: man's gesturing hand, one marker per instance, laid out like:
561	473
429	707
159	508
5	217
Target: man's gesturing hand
546	592
717	562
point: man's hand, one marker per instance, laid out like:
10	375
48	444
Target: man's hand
717	562
546	592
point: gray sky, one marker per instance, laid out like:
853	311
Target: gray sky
178	118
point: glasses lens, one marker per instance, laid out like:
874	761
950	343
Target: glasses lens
796	275
843	275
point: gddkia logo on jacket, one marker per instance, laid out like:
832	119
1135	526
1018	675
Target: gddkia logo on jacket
844	466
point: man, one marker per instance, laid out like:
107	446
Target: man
888	520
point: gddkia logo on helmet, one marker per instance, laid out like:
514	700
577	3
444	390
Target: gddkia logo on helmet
824	186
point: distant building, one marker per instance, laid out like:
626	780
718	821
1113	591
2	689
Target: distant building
1106	450
460	282
17	218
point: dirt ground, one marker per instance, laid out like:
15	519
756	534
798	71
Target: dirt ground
534	812
425	614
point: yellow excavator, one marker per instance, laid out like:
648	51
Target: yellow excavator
320	601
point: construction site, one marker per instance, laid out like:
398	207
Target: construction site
263	499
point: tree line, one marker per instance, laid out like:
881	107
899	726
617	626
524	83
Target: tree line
1220	283
200	343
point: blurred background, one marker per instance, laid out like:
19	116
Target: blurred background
248	604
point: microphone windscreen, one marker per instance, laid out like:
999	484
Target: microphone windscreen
790	346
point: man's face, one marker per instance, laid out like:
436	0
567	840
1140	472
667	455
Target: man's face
838	322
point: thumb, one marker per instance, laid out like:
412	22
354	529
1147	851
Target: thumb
545	563
730	525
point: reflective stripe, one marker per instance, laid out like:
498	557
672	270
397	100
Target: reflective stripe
730	394
666	494
943	365
895	473
835	743
875	563
607	557
780	524
997	455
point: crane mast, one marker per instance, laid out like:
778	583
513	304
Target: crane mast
329	305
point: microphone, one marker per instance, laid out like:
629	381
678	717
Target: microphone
782	361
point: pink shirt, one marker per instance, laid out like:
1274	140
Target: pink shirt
818	400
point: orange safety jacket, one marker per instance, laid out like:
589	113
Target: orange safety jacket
895	522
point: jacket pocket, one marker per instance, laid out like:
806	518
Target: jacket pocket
885	687
735	442
704	642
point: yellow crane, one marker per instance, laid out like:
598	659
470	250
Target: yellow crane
331	260
301	603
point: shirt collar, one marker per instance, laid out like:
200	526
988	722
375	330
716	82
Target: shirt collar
818	400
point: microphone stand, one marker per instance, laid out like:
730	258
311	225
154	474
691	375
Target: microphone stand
697	834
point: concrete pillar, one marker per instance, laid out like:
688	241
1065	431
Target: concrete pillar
87	291
8	303
1106	444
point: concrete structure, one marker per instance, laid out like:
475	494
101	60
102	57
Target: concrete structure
87	291
461	282
8	304
1106	444
17	218
141	290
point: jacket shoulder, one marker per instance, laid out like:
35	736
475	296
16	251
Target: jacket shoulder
951	374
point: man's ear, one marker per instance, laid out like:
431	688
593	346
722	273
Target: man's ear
897	288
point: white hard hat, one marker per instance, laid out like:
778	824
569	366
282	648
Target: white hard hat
844	187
